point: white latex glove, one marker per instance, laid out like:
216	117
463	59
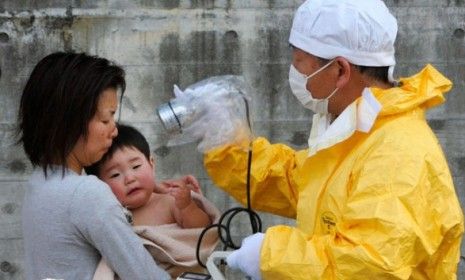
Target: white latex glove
247	258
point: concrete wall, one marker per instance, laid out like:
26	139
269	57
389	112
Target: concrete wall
166	42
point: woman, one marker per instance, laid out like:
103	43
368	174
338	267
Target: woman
71	220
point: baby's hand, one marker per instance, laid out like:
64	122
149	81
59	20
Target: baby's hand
188	180
192	183
162	187
181	194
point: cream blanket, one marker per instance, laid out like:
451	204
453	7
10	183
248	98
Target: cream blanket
173	247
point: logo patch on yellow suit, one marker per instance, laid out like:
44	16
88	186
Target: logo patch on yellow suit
328	222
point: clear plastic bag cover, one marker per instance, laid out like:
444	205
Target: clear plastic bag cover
215	113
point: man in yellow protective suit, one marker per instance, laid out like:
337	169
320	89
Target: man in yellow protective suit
372	195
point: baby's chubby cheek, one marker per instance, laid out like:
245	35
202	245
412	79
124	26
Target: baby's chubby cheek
139	200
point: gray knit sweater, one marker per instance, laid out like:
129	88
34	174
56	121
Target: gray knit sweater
70	222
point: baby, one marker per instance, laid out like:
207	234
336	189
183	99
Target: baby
128	169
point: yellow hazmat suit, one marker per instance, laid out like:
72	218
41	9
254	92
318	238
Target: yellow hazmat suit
379	205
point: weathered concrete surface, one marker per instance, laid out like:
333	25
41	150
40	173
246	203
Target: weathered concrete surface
166	42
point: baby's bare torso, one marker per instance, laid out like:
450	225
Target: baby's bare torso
157	211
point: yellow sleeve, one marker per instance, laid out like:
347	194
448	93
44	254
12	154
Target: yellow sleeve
272	187
401	220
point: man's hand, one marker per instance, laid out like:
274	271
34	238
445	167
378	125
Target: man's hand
247	258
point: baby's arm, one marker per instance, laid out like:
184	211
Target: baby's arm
186	212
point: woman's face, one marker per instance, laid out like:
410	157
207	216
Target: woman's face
101	131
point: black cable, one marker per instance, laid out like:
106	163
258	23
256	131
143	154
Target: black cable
255	221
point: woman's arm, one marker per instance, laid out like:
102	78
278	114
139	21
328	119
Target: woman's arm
100	221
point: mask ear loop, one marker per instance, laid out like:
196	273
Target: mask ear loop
319	70
332	93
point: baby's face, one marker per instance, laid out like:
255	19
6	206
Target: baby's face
130	176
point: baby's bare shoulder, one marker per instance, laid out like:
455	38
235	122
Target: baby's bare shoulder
161	199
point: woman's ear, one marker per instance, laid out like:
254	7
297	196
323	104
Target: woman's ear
152	162
344	71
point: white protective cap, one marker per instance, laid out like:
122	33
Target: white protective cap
362	31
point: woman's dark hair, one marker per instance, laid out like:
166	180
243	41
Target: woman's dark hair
58	102
128	137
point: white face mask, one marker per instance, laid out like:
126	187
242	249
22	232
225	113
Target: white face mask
298	83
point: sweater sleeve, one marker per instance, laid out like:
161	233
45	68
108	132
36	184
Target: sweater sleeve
98	217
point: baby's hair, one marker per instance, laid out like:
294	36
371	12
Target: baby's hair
128	137
58	102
